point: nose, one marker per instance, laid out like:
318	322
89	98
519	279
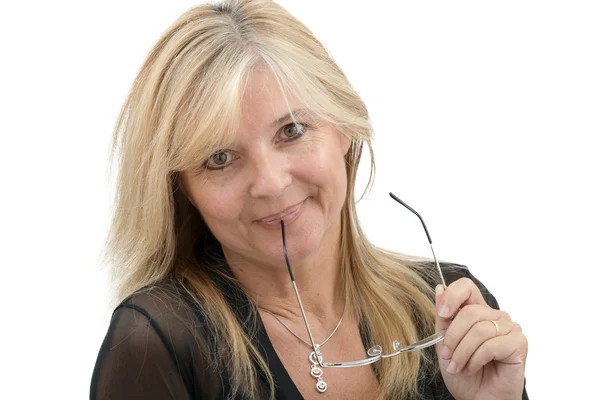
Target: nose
271	175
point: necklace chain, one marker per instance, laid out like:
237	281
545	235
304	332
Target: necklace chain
293	333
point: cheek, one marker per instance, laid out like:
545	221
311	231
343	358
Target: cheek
215	205
325	167
217	210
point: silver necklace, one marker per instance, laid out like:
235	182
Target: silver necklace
315	370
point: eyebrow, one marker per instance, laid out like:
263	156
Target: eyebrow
296	113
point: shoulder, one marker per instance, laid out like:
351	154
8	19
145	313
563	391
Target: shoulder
166	310
144	323
162	302
153	340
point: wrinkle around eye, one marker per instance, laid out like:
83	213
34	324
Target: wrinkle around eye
231	157
304	128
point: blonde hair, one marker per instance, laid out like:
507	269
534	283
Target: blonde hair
184	105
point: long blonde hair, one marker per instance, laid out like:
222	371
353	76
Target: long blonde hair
184	105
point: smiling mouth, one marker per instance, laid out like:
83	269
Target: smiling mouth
282	214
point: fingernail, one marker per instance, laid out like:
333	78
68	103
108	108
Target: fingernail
444	311
451	367
446	353
439	289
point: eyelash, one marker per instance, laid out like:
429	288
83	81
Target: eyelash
305	128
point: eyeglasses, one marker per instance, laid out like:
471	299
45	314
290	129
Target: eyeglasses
375	353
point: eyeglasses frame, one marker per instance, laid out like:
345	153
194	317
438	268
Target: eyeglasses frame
375	353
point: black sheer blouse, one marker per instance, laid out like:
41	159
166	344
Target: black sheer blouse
150	353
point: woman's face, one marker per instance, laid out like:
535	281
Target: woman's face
276	170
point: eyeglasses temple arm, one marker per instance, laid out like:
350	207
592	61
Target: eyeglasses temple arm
287	262
437	264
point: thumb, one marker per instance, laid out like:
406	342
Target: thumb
440	324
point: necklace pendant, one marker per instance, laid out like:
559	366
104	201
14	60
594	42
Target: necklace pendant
316	371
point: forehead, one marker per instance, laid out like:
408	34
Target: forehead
263	102
240	113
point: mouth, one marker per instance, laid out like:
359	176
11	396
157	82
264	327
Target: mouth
286	215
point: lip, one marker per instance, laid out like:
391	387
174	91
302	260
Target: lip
287	215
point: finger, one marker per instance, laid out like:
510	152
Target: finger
470	292
459	293
455	330
507	349
469	342
469	317
440	323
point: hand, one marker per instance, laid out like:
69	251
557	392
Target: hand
482	366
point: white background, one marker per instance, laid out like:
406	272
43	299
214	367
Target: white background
486	117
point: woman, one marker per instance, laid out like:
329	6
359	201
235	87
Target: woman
239	146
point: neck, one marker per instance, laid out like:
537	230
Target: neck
317	277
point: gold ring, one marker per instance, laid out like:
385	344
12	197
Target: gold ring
497	327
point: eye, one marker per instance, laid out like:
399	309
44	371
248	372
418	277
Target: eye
218	160
294	131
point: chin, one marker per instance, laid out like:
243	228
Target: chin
300	245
